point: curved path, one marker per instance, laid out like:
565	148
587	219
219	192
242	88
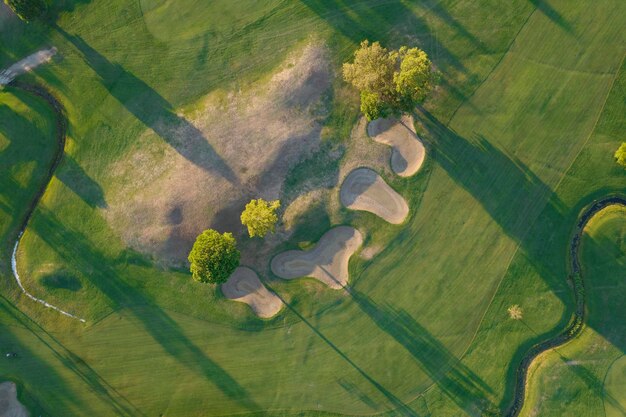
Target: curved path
60	134
576	324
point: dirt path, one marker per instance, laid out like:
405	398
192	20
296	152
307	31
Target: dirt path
26	65
408	151
245	286
9	404
365	190
327	261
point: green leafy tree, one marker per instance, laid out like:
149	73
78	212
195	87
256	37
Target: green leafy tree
620	155
390	82
213	257
260	217
27	9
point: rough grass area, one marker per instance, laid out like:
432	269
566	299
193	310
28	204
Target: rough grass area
520	135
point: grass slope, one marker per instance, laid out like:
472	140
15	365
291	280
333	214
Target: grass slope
592	364
486	232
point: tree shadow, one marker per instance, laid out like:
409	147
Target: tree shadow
49	376
77	180
400	407
455	379
359	21
551	13
74	248
153	110
506	188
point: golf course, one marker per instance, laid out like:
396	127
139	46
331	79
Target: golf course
465	256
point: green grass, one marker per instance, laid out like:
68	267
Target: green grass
424	328
592	364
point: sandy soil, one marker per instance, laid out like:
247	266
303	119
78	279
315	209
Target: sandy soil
245	286
243	145
365	190
408	150
26	64
327	261
9	405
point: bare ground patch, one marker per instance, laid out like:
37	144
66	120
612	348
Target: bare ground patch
245	286
256	137
327	261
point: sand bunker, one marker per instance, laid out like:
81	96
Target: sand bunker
365	190
9	405
327	261
245	286
408	150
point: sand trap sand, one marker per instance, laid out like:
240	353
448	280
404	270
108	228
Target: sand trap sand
408	150
327	261
365	190
9	405
26	64
245	286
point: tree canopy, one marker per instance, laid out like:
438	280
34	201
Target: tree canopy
27	9
214	257
260	217
390	82
620	155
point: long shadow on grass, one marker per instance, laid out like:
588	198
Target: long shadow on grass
551	13
77	180
507	189
76	249
454	379
153	110
400	407
120	404
374	20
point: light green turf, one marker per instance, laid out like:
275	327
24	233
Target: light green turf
484	231
586	377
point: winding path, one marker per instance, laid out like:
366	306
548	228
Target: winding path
60	135
575	326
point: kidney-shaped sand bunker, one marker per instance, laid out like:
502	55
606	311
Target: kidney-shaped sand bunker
408	151
364	189
327	261
245	286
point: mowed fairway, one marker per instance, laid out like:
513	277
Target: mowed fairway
520	138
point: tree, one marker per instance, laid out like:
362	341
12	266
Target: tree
260	217
27	9
620	155
213	257
390	82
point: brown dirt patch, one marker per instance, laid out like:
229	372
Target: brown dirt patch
245	286
9	404
161	200
408	152
327	261
365	190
